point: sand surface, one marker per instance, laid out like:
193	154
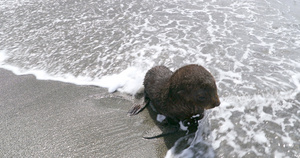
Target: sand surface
55	119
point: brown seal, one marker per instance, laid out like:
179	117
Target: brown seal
180	95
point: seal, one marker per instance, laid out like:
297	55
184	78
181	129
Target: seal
180	95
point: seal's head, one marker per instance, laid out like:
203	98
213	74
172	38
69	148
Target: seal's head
195	87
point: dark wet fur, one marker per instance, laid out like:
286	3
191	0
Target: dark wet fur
179	95
191	123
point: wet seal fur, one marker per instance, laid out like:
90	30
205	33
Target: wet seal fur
180	95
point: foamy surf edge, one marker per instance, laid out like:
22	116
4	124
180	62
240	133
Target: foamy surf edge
128	81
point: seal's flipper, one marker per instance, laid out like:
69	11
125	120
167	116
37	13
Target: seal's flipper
137	108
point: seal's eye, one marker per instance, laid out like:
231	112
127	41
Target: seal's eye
201	98
201	95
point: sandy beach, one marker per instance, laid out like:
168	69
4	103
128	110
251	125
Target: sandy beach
55	119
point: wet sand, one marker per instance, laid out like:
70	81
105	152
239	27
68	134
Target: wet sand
55	119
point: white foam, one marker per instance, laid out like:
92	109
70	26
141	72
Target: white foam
278	154
296	81
3	56
183	127
287	139
254	123
260	137
129	81
160	118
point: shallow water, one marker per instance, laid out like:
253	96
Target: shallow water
251	47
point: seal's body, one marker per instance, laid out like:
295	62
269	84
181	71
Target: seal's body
182	94
179	95
156	84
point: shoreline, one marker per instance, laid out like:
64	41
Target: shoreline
43	118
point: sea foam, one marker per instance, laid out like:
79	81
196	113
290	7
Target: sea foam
128	81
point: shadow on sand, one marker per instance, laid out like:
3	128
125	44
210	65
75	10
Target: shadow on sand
169	139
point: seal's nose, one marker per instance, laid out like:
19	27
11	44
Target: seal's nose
217	102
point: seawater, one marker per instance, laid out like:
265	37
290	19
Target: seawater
251	47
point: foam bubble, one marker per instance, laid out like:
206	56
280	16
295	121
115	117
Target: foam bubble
3	56
182	126
278	154
160	118
129	81
296	81
260	137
